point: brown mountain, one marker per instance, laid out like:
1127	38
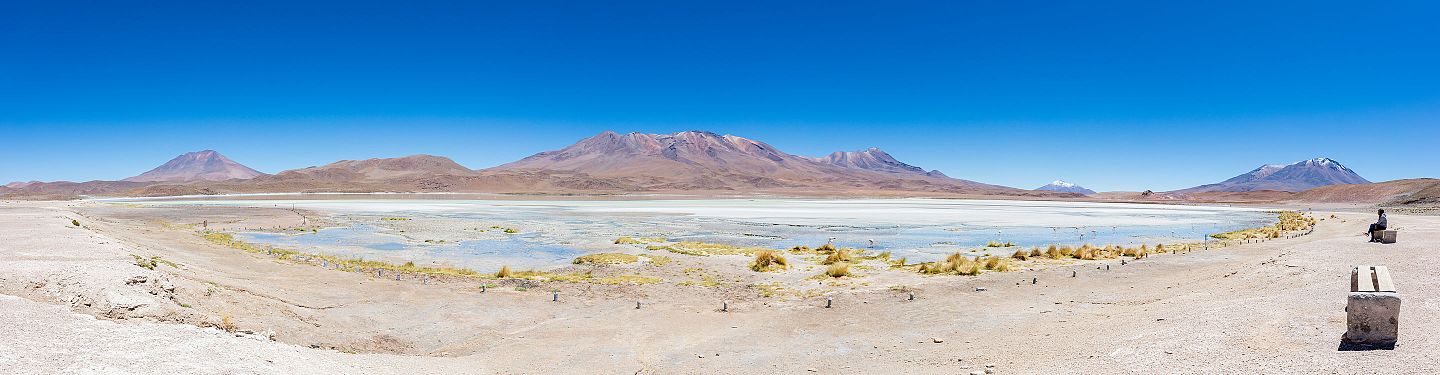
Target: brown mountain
377	169
699	160
1417	191
873	159
205	165
415	173
20	184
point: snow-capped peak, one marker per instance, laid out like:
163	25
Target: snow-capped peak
1320	161
1062	186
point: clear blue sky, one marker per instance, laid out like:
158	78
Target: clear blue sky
1111	95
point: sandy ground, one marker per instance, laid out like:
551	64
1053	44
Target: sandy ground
1265	308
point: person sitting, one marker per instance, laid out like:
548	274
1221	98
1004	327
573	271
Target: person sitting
1377	227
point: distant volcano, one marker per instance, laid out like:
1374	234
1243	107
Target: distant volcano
205	165
1066	187
1300	176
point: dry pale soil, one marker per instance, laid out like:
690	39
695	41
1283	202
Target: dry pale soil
73	300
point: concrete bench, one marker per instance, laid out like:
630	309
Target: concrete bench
1384	236
1372	314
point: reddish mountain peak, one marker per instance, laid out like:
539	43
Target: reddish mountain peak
206	165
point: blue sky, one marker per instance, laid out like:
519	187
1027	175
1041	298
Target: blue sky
1110	95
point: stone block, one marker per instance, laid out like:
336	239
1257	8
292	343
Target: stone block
1372	318
1387	236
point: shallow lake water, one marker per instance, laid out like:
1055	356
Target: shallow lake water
552	232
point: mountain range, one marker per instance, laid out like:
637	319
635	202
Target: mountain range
701	162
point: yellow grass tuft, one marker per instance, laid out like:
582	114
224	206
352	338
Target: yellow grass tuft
991	262
658	260
959	264
768	260
838	270
627	240
997	264
1036	253
707	249
606	258
346	264
504	272
842	255
1021	254
227	324
1289	221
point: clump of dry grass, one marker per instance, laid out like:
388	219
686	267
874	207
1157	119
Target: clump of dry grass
838	270
227	324
883	256
504	272
1053	252
706	249
1137	253
841	255
956	263
997	264
1288	221
1036	253
1021	254
658	260
768	260
627	240
801	249
348	264
606	258
993	243
826	248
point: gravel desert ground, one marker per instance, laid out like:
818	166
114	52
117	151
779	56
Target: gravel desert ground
75	301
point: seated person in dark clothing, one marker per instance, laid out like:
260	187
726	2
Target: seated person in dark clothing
1378	226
